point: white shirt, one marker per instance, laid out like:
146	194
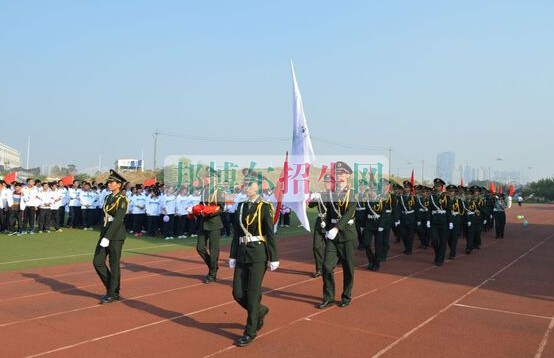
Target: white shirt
87	199
55	199
138	203
45	200
74	197
153	206
30	196
167	203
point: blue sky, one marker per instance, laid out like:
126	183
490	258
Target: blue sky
90	78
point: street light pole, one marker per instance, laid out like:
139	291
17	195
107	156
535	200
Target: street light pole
155	135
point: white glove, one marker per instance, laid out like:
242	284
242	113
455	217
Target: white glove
232	263
469	223
484	222
316	196
104	242
396	223
450	226
331	234
380	229
189	210
491	216
428	224
273	265
419	223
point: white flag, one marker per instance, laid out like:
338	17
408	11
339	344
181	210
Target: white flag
301	159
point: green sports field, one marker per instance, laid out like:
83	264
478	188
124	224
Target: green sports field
74	246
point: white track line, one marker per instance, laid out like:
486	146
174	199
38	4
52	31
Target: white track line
540	350
501	311
77	255
424	323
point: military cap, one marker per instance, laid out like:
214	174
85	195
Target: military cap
419	187
462	188
438	181
451	187
502	195
475	188
406	183
428	188
115	176
327	178
396	186
341	166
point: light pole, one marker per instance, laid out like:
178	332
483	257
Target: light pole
155	136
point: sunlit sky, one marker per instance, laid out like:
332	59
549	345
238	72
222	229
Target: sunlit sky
91	81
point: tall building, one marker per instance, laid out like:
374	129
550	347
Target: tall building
9	157
445	166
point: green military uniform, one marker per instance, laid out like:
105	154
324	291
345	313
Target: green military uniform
499	215
386	223
341	211
318	244
455	225
207	244
373	232
423	215
407	217
473	217
440	218
252	247
113	229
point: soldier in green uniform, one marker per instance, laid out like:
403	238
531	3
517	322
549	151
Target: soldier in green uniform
472	213
423	215
455	225
373	232
253	249
407	217
210	225
440	218
320	201
341	237
396	210
499	215
112	237
360	214
387	212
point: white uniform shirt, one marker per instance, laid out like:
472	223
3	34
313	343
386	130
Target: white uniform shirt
74	197
153	206
87	199
138	203
167	204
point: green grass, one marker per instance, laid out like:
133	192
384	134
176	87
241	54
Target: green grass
77	246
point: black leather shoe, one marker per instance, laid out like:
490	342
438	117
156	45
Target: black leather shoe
109	299
316	274
325	304
210	279
245	340
468	251
344	304
438	263
374	268
260	324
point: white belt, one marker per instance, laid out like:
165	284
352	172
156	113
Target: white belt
454	213
376	216
334	221
110	218
470	213
497	210
360	209
248	239
388	211
438	212
408	212
423	210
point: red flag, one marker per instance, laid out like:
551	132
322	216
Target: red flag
491	187
149	182
462	182
412	181
512	190
67	181
281	188
500	189
10	177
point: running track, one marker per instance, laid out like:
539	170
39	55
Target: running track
497	302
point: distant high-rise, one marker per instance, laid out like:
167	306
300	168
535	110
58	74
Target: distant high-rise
445	166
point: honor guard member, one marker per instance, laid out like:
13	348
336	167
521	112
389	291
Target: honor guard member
112	237
396	210
210	225
473	215
373	232
320	201
360	213
423	214
440	219
455	225
341	237
253	249
490	200
407	217
499	215
386	218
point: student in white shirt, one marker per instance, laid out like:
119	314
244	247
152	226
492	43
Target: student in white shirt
153	212
138	202
4	208
86	198
44	210
168	209
74	219
55	204
181	212
64	195
30	197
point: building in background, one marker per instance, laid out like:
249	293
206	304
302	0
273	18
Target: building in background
445	166
9	157
134	165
